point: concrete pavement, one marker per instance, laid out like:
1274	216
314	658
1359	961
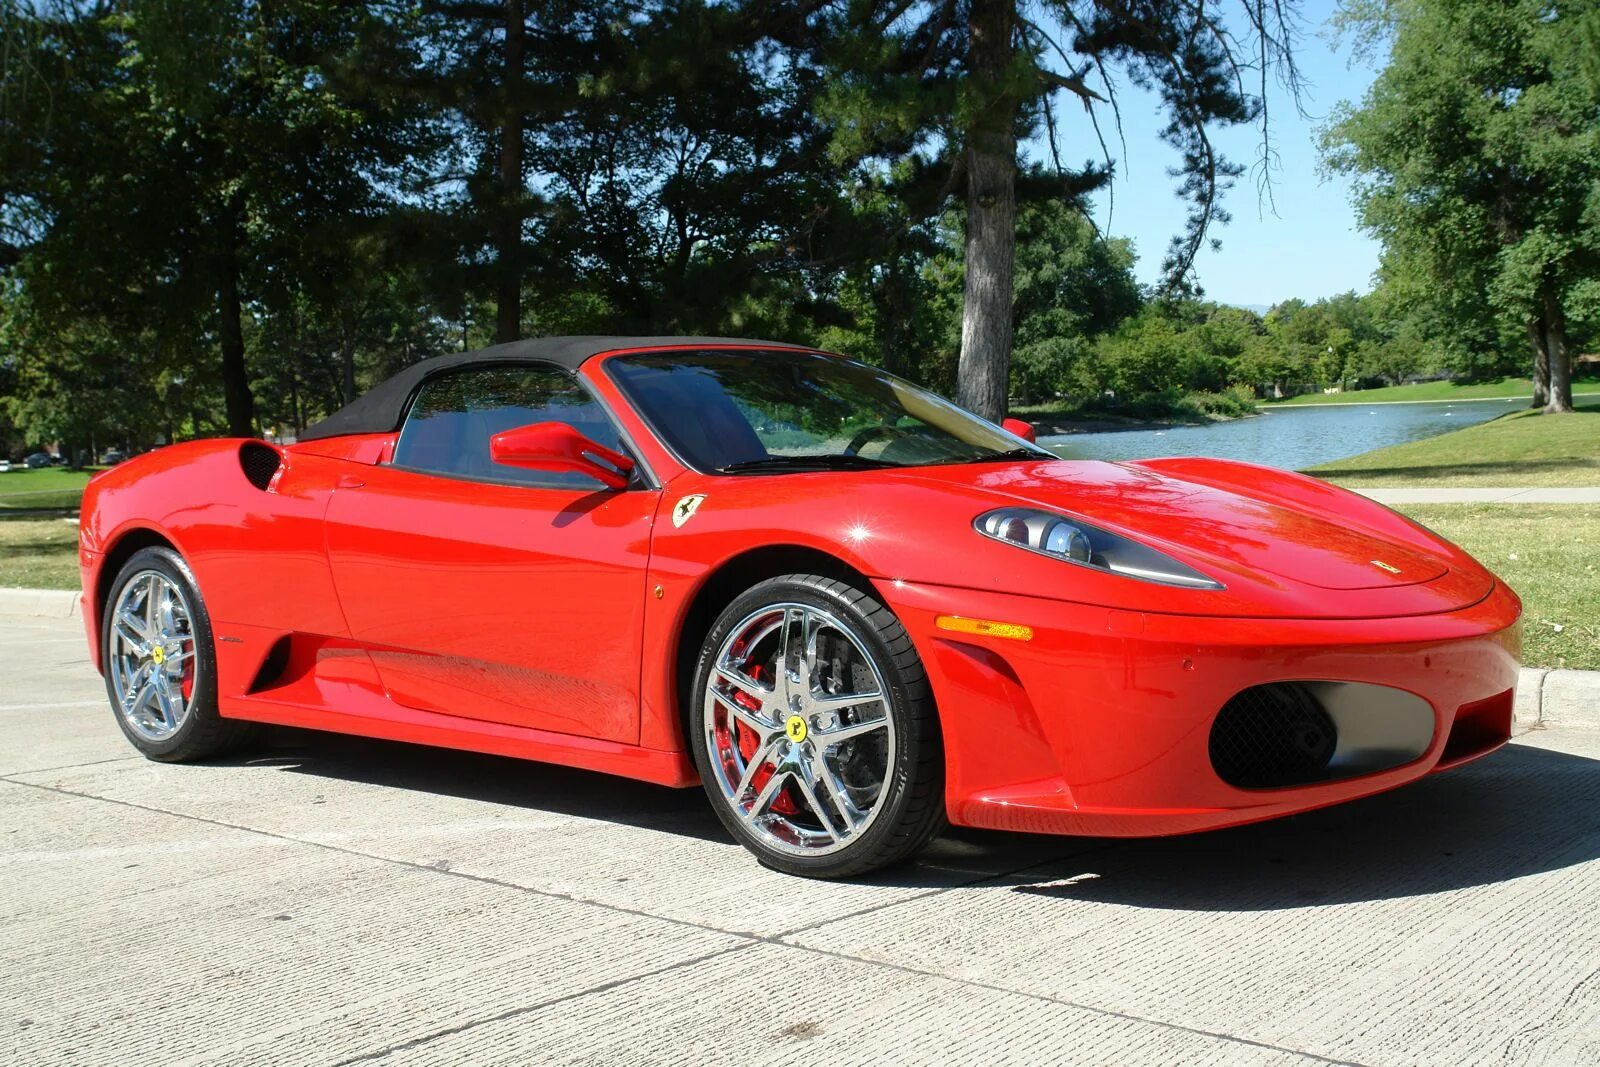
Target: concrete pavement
1425	494
331	900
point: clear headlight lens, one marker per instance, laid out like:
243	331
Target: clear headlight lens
1077	542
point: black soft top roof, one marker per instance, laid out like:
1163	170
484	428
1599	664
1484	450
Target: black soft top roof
382	408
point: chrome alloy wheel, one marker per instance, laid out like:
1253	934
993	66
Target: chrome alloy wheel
797	724
152	655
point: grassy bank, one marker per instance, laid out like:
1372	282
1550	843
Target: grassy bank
52	487
1520	449
1550	554
39	553
1491	389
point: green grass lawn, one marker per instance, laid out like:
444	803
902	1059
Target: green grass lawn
52	487
1548	553
39	553
1485	390
1524	448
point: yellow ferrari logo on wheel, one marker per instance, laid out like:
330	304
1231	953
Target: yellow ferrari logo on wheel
158	655
795	728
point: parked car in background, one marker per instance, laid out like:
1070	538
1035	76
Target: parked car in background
38	460
112	457
5	466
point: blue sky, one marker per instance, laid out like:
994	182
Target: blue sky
1310	248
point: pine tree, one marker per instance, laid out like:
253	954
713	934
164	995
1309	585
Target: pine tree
951	88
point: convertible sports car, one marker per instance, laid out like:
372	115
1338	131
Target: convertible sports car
849	609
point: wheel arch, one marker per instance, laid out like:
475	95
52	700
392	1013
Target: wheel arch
730	578
117	555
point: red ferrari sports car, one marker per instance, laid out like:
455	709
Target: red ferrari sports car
847	608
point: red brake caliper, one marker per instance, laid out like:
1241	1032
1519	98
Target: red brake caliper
748	741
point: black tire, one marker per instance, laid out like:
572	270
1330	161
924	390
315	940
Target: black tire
909	809
203	733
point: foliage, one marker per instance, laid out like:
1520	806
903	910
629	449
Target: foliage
230	216
1071	287
170	167
1477	154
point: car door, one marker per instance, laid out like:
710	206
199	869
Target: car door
492	592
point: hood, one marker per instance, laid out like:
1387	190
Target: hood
1279	555
1226	529
1281	545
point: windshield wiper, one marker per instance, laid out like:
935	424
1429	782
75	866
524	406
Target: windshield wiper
804	463
1008	454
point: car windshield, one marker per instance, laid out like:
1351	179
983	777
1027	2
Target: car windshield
774	411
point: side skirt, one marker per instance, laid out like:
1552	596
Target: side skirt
398	723
330	684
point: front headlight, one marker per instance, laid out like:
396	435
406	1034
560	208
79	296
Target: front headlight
1077	542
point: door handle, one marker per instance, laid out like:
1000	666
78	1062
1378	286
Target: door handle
350	481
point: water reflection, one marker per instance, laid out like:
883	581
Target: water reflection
1293	438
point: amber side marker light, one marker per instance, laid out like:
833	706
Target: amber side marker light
1012	630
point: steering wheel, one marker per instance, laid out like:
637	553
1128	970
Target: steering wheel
870	434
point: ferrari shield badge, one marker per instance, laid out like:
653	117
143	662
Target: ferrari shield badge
684	509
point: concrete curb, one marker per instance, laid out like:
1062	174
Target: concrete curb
39	603
1570	698
1545	697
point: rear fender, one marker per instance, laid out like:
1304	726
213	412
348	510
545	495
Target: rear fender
257	549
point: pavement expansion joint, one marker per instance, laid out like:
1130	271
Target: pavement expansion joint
513	1013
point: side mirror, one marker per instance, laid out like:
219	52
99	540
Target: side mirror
1022	429
555	446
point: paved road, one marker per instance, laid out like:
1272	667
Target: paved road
333	900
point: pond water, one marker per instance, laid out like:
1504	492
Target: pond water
1290	437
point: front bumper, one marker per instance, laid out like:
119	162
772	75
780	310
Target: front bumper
1099	725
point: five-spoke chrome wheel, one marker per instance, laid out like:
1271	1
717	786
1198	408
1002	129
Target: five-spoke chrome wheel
797	723
152	655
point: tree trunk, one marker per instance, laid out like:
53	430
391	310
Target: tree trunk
991	152
508	238
1558	357
236	395
1541	361
347	368
893	314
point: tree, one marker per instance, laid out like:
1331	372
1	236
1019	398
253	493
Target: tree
1477	157
167	163
490	88
690	189
1071	286
953	86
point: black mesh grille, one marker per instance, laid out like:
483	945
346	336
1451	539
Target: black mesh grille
260	463
1272	735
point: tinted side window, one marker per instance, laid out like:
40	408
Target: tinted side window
448	428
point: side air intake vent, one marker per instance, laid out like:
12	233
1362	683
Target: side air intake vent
1271	736
259	463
